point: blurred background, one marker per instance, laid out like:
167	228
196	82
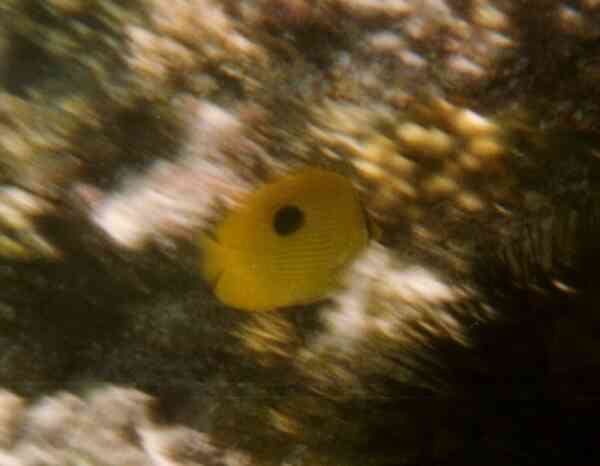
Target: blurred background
464	333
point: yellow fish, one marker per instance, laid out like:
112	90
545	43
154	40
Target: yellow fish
286	243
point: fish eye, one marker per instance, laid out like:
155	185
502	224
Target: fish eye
287	220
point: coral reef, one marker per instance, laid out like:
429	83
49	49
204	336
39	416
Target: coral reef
431	159
470	129
111	426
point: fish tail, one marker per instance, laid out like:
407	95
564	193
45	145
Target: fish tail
213	256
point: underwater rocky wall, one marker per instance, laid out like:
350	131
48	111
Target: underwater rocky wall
470	130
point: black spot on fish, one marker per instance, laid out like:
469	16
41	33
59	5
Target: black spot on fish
287	220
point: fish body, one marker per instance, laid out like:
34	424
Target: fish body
287	242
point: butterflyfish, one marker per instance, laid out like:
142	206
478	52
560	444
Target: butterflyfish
286	243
